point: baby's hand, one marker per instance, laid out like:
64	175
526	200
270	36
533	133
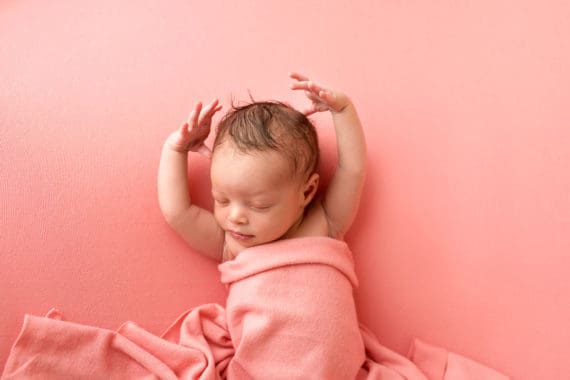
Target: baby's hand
192	134
322	99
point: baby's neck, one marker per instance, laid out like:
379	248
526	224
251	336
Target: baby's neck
294	228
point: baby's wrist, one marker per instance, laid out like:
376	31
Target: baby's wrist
172	145
343	108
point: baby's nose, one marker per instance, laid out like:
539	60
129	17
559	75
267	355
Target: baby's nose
237	215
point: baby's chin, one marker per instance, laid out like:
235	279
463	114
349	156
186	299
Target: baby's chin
235	247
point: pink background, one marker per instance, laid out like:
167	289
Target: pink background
463	237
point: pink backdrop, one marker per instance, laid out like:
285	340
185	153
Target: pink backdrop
463	239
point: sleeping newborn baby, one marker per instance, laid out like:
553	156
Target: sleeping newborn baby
264	183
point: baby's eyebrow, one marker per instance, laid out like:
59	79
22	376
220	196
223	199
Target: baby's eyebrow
259	193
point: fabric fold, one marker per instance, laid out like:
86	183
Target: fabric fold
289	314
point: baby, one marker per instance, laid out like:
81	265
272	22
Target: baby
263	174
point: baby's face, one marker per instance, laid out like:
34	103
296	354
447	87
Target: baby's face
256	198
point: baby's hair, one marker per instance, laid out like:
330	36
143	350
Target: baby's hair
274	125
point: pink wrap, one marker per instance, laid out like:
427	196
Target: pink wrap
290	314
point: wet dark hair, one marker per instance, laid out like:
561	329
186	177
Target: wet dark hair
274	125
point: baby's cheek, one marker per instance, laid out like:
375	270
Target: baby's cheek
276	224
218	215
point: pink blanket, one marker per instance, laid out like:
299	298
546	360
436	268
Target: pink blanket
290	314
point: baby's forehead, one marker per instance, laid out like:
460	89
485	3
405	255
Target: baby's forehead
229	163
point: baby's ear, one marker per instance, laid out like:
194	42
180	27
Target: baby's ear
310	189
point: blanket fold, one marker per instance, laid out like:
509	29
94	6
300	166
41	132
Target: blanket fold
289	314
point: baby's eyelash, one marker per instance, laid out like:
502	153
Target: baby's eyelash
259	207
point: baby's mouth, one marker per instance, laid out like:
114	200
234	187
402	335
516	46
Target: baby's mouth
239	236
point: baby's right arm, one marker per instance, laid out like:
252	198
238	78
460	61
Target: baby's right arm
194	224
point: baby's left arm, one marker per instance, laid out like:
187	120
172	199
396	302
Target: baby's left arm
342	197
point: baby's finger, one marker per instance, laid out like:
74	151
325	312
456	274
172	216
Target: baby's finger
314	87
193	118
183	129
207	113
298	76
308	86
187	125
216	109
208	109
212	111
299	86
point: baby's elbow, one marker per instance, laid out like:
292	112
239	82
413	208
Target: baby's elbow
171	217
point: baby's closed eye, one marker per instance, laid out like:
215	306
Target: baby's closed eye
221	201
260	207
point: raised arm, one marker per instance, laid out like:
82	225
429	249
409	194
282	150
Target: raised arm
342	197
194	224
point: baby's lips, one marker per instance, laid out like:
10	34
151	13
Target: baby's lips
239	236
